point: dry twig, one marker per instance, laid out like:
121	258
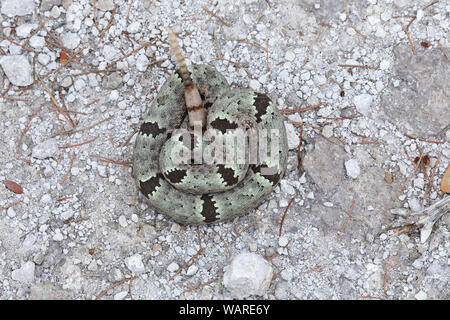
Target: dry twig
115	285
68	170
341	232
200	251
285	212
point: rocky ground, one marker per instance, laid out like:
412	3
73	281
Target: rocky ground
78	76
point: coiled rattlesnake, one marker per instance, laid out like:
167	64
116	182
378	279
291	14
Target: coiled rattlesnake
179	161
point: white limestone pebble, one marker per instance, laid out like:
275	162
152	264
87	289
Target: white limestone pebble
134	27
384	65
70	40
79	84
292	136
287	187
327	131
58	236
352	168
46	198
17	69
55	12
173	267
362	103
25	273
192	270
142	63
254	84
14	8
248	274
67	82
123	221
421	295
283	241
105	5
290	56
37	42
120	296
114	95
135	264
45	149
43	58
414	205
24	30
11	212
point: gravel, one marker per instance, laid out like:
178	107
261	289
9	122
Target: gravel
14	8
81	224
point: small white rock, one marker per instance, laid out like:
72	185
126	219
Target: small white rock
46	198
70	40
286	275
305	76
384	65
292	136
55	12
67	82
120	295
24	30
290	56
248	274
286	187
254	84
10	212
414	205
283	241
58	235
79	84
134	27
173	267
25	273
37	42
362	103
105	5
421	295
283	203
135	264
420	14
352	168
191	270
419	183
14	8
327	131
123	221
142	63
17	69
75	171
114	95
43	58
102	171
247	18
380	33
